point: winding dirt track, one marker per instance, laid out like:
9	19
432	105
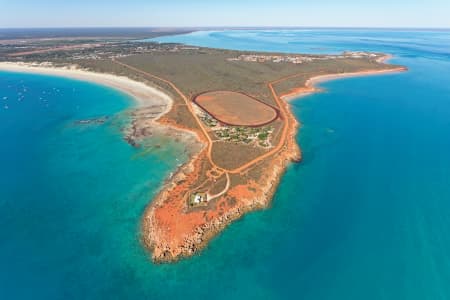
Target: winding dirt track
283	115
183	96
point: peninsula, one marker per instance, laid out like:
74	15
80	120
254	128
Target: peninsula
233	106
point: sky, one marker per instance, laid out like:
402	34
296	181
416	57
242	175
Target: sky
191	13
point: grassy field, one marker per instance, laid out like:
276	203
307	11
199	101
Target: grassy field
230	155
198	70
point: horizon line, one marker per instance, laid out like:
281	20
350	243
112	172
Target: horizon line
228	27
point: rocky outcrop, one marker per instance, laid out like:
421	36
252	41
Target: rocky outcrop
192	230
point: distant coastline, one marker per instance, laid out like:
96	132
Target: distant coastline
310	86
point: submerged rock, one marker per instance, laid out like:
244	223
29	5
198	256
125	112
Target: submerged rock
98	121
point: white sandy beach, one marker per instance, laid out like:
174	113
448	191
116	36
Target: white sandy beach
143	94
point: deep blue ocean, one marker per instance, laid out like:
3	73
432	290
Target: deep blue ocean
366	215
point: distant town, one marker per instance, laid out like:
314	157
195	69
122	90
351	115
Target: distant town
299	59
92	49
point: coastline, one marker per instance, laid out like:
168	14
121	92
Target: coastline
151	103
170	241
142	94
163	246
168	249
310	86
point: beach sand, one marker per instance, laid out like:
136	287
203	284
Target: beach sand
310	84
143	94
151	103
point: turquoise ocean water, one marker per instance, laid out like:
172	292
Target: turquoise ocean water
365	216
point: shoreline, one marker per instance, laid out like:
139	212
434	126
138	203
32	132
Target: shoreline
310	85
144	98
168	250
157	239
169	242
142	94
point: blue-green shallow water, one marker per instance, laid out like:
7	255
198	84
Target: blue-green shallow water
71	195
365	216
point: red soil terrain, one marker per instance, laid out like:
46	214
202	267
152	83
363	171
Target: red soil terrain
236	109
173	230
171	227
